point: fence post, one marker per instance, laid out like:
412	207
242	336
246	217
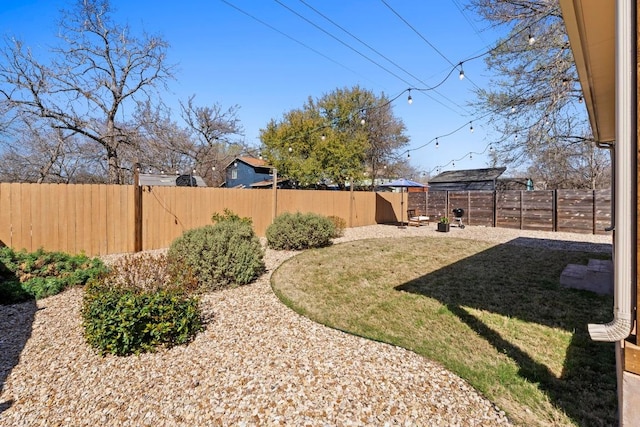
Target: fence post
351	203
495	208
274	203
521	210
137	209
554	209
594	211
469	207
447	210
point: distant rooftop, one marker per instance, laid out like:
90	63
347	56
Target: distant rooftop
166	180
469	175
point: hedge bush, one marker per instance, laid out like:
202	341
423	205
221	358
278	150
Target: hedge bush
218	256
300	231
34	275
137	307
123	321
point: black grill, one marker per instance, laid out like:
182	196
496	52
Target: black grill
458	213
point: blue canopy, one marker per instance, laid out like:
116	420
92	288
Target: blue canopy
402	182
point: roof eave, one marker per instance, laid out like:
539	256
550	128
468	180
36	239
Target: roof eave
590	26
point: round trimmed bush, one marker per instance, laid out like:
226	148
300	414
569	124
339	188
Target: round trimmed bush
300	231
217	256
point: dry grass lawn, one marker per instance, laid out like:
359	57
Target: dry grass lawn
492	313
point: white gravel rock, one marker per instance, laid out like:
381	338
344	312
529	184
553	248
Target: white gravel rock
257	363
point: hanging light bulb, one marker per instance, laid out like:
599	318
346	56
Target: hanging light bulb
471	127
437	143
580	99
408	155
410	99
470	156
454	164
513	109
532	39
491	148
461	76
290	149
516	137
323	137
362	121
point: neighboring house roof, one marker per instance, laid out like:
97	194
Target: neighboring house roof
469	175
267	183
164	180
251	161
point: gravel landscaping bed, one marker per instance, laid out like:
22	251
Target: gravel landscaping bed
257	363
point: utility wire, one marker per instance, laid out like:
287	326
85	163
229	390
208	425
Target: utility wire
464	15
423	37
378	53
342	42
291	38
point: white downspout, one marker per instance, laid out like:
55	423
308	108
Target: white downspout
625	172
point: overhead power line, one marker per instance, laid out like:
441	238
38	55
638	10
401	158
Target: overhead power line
290	37
378	53
423	38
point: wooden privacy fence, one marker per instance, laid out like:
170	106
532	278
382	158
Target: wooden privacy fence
106	219
578	211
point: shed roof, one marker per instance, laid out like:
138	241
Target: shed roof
469	175
165	180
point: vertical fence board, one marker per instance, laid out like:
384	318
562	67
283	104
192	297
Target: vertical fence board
70	217
38	219
25	208
88	238
5	215
16	216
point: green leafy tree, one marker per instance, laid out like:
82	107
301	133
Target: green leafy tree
345	134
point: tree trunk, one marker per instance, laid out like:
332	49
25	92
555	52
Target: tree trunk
112	163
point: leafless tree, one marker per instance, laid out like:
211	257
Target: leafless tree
38	153
98	71
535	98
216	135
206	143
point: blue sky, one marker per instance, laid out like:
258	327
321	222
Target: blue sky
224	56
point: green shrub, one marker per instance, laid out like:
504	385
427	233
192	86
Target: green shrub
339	223
28	275
122	321
300	231
137	307
217	256
229	215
